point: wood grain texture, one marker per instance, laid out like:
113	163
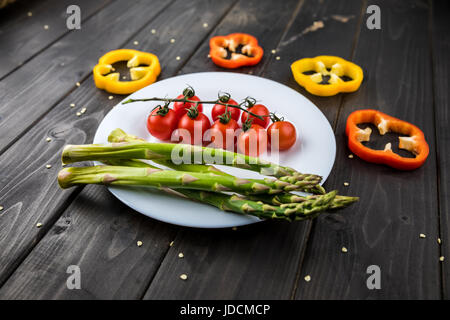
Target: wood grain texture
441	52
92	239
395	207
68	61
24	36
259	261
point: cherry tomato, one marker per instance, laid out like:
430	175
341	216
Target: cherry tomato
223	132
253	141
181	108
219	109
161	122
287	134
195	125
259	110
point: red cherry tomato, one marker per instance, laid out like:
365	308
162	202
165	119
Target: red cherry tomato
181	108
259	110
161	122
223	134
253	141
219	109
195	126
287	135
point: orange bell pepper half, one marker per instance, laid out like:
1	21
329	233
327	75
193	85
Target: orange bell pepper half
141	76
251	52
414	141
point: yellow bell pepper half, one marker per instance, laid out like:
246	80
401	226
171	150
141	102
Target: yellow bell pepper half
324	75
141	76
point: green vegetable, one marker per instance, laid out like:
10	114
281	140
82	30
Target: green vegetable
184	152
306	182
119	175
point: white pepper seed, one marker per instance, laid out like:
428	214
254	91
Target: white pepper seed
183	276
308	278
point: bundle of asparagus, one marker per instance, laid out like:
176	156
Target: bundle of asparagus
264	198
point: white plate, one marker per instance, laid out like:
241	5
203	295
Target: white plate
314	151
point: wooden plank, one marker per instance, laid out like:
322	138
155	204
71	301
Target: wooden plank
68	61
102	233
441	52
259	261
23	36
395	207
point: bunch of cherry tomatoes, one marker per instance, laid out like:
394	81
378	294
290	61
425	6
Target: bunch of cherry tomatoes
190	125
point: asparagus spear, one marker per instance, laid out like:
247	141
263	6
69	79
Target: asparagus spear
338	202
111	175
284	198
307	182
118	175
185	152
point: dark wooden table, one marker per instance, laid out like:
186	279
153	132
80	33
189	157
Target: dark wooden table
406	66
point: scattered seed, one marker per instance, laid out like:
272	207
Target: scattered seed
350	156
171	244
422	235
48	166
278	58
209	56
136	43
308	278
344	249
78	84
48	139
250	72
234	228
46	27
183	276
178	58
1	208
181	255
30	14
172	40
83	110
346	184
439	240
273	51
124	77
153	31
38	225
72	105
205	25
139	243
441	258
78	114
110	97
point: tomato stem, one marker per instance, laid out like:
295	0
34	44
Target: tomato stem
185	100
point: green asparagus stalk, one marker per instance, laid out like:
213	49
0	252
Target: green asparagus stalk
166	151
306	182
118	175
338	202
